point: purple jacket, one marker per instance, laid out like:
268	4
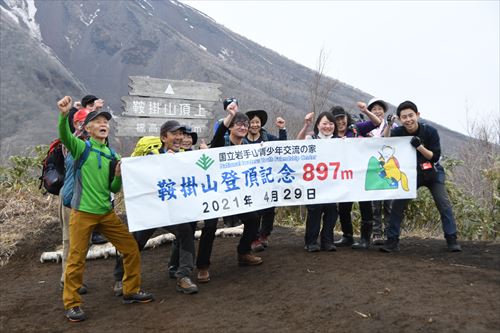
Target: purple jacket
362	128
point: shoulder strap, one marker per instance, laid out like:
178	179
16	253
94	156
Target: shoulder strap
84	155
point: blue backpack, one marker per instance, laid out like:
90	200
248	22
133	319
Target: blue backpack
72	172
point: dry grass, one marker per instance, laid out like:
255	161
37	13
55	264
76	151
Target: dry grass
24	214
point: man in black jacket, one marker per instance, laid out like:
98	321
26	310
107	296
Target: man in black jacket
429	173
237	124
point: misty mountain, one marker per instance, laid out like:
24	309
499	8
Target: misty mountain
55	48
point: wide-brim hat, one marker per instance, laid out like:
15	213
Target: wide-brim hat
94	114
378	101
261	114
193	134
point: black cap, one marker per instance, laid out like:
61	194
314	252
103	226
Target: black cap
94	114
338	111
261	114
88	99
228	101
171	126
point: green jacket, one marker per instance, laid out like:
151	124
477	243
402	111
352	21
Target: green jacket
91	193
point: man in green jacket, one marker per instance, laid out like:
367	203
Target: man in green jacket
92	209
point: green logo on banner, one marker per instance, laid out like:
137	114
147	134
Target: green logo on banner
383	173
205	162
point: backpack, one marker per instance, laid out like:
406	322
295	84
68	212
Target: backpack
147	145
53	171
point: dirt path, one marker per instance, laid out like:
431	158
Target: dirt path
421	289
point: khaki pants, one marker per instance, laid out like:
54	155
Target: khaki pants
81	225
64	221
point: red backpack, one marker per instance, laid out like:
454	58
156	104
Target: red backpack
53	170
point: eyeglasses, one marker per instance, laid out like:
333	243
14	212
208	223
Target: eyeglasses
242	124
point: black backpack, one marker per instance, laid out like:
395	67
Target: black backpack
53	170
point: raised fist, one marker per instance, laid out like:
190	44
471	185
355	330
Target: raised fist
64	105
416	142
280	123
309	118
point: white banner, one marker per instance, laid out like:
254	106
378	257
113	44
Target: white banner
170	189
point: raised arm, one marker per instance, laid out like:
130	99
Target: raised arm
307	126
373	118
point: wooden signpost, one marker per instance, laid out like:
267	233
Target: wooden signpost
153	101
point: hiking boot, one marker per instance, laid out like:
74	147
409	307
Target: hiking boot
75	314
328	247
118	288
312	247
362	244
97	238
390	245
257	246
378	240
203	275
249	260
264	240
453	246
82	290
140	297
344	241
171	272
186	286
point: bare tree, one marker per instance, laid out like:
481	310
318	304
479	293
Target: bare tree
321	87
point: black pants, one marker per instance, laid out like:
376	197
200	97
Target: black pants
266	221
313	223
250	222
175	252
345	209
183	233
380	224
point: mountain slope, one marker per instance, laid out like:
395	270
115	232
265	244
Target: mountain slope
32	79
104	42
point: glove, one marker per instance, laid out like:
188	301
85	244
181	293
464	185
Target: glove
415	141
390	119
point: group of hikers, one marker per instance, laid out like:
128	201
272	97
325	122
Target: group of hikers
93	170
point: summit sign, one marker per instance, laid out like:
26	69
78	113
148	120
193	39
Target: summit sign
153	101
